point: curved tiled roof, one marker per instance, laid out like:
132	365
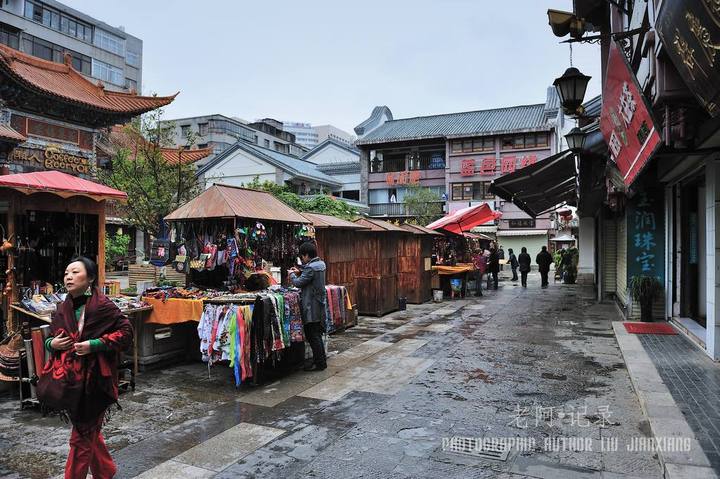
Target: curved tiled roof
62	81
453	125
7	133
174	155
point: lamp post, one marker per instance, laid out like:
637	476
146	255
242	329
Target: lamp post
575	139
571	87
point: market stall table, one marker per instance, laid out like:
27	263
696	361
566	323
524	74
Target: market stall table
460	270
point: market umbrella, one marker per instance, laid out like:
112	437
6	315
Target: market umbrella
465	219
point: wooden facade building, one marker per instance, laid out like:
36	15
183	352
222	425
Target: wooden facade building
414	263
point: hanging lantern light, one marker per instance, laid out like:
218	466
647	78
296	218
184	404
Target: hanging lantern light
575	139
571	87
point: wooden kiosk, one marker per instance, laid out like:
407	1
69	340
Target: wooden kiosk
414	264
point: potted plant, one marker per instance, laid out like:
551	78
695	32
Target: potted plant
570	260
644	289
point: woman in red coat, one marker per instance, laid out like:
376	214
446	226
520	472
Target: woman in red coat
88	331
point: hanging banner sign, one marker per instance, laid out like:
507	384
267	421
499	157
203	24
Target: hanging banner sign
690	33
625	121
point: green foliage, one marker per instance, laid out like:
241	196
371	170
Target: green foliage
644	288
423	205
116	246
154	187
322	204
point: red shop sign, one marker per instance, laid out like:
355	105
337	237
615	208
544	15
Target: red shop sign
403	178
626	122
467	167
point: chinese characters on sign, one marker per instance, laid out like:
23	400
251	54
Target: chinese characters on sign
507	165
579	416
645	222
690	29
51	158
467	167
403	178
626	124
488	167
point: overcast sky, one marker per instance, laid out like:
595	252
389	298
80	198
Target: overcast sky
332	61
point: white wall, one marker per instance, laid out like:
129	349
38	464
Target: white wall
332	154
586	246
239	168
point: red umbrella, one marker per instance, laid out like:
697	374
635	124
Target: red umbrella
466	219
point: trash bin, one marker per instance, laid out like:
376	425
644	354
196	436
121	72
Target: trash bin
438	295
402	303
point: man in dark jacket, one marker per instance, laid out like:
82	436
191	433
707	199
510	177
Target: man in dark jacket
544	260
524	261
310	278
494	267
512	259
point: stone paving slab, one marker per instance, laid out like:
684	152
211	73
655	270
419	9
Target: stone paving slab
665	417
174	469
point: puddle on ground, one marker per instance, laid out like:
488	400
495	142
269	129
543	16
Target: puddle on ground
557	377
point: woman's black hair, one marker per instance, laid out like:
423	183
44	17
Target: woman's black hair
91	268
308	248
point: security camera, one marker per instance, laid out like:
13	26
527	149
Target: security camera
563	23
560	21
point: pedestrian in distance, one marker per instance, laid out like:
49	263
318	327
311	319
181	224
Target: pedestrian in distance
544	260
310	278
524	261
512	259
88	332
501	255
494	267
480	263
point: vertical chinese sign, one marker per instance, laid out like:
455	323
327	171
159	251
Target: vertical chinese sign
625	121
646	230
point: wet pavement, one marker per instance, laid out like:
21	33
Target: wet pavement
539	366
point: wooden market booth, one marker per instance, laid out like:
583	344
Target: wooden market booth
415	263
376	266
337	243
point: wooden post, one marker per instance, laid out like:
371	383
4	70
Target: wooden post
11	276
101	245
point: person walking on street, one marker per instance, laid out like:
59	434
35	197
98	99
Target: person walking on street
524	261
544	260
88	332
501	255
480	263
310	278
513	264
494	267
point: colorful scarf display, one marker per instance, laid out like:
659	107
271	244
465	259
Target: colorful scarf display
336	308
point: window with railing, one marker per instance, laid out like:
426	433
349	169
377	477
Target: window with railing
387	162
426	157
473	145
427	160
528	140
478	190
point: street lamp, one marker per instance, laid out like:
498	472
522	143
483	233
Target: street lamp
571	88
575	139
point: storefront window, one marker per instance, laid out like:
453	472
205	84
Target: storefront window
478	190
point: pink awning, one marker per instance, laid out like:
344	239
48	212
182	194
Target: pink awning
60	184
465	219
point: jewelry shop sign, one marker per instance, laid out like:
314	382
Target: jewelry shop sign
690	32
51	158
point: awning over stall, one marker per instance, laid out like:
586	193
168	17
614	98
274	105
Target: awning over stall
539	188
465	219
61	184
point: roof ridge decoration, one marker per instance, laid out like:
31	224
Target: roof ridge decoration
62	81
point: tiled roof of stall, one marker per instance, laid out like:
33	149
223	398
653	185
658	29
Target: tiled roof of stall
326	221
224	201
379	225
453	125
60	80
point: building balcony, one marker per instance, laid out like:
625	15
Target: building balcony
395	210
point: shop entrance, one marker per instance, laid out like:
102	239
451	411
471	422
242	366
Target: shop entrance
690	213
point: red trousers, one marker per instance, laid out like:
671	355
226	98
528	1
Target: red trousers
88	451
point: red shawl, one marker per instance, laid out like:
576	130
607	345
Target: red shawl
97	371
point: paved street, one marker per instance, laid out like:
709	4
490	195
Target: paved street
526	363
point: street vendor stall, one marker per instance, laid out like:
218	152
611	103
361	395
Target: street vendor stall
415	263
376	266
236	245
453	279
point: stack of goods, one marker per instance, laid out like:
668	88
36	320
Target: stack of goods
250	329
10	358
164	294
128	303
38	337
337	307
43	304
